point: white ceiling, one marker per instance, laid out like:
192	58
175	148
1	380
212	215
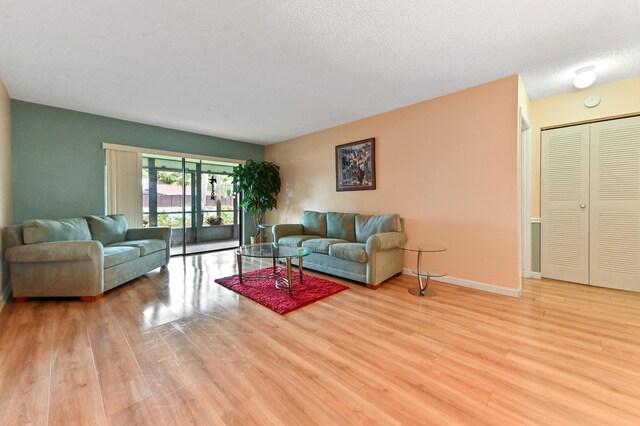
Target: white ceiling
268	70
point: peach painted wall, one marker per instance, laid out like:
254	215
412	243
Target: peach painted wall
5	179
618	98
447	165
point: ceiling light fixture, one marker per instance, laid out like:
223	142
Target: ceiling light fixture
584	77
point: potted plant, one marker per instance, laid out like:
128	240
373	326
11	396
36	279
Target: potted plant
260	184
215	220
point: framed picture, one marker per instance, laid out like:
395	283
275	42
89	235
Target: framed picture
356	165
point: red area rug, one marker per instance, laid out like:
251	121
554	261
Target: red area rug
263	290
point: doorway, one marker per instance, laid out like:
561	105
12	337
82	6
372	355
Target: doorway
196	198
525	194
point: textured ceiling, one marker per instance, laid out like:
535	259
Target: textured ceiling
266	71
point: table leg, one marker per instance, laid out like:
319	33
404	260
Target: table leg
422	290
274	265
285	283
289	273
239	262
300	269
420	274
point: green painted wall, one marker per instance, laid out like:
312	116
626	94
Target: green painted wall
5	185
59	164
535	247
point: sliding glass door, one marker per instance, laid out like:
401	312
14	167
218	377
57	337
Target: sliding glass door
196	198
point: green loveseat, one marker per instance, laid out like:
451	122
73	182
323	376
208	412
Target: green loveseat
81	256
367	249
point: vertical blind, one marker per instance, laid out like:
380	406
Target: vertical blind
124	185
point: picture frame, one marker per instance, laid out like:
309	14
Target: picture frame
356	165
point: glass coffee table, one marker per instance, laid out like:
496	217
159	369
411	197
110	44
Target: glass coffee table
274	252
420	248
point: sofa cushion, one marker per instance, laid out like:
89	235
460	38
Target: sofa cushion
321	245
145	246
116	255
295	240
366	226
108	229
314	223
349	251
342	226
47	231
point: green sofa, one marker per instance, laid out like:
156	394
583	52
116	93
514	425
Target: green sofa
80	256
367	249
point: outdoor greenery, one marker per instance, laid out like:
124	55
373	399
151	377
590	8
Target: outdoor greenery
260	184
168	219
175	219
172	178
220	213
167	177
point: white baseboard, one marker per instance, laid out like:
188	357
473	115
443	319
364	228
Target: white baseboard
537	275
491	288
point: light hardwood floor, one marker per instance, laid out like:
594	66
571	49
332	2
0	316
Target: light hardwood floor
175	348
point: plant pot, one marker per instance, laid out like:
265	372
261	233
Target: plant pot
256	240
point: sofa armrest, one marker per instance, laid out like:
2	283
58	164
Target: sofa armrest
152	233
60	251
385	241
283	230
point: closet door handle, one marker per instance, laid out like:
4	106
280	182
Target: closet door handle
583	205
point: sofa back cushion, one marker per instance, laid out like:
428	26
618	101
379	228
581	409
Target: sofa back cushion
108	229
366	226
46	231
314	223
341	226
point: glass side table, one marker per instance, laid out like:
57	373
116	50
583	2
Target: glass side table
423	276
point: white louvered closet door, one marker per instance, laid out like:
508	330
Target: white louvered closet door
564	204
615	204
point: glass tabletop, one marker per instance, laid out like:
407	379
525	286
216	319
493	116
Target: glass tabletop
423	247
271	251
